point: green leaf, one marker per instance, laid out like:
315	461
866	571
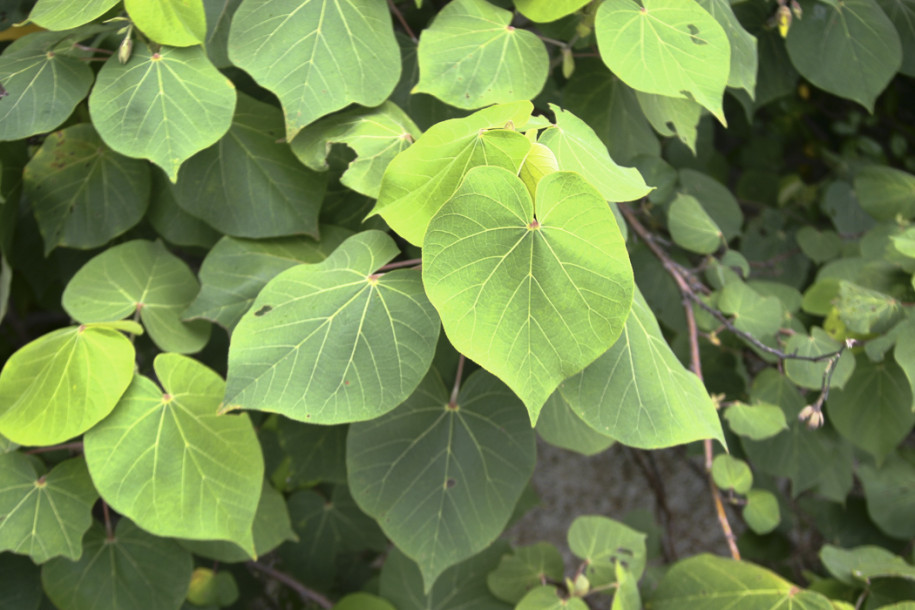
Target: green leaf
317	56
561	427
671	116
744	60
376	135
761	511
172	463
602	543
82	192
63	383
902	14
885	192
66	14
470	56
731	473
164	106
904	353
668	47
336	341
708	582
212	588
6	279
131	569
177	23
810	374
874	411
539	162
219	15
577	148
422	178
363	601
44	85
532	292
716	200
548	598
540	11
867	311
890	493
753	313
44	515
848	48
317	454
422	470
627	595
860	564
639	393
691	227
820	246
757	422
174	224
20	583
905	242
219	184
139	276
525	568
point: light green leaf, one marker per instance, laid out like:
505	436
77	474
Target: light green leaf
129	570
539	162
753	313
235	270
890	493
139	276
867	311
363	601
20	583
67	14
44	85
756	422
848	48
249	165
470	56
671	116
639	393
731	473
691	227
627	595
860	564
376	135
82	192
885	192
532	292
423	473
544	11
874	411
177	23
707	582
761	511
602	543
174	224
902	14
577	148
422	178
172	463
668	47
548	598
209	588
63	383
525	568
162	106
716	199
44	515
810	374
334	342
561	427
905	242
317	56
744	60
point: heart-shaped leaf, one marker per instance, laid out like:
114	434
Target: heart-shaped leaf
560	426
691	227
177	23
64	14
532	292
602	543
744	59
810	374
756	422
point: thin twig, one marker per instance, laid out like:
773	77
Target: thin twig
413	262
73	446
109	531
304	592
403	22
649	468
452	402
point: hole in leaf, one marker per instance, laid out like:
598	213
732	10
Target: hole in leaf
263	310
449	483
694	35
670	126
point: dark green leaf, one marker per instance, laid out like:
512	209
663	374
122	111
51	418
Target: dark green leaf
860	564
316	453
174	224
890	493
810	375
885	192
20	583
525	568
715	199
902	14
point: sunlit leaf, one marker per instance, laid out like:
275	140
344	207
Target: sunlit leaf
860	564
753	313
602	543
810	374
761	511
544	11
691	227
547	597
744	60
730	473
178	23
66	14
756	422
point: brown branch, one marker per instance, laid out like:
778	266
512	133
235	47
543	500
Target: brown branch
109	531
403	22
408	263
452	402
73	446
304	592
649	469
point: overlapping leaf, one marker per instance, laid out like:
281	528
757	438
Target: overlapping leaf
66	14
525	568
757	422
639	393
139	276
885	192
334	342
174	224
860	564
561	427
716	199
178	23
602	543
219	15
172	463
544	12
890	493
423	177
20	583
672	116
63	383
691	227
443	480
235	270
44	515
317	56
753	313
472	57
163	106
810	374
83	193
761	511
730	473
744	59
902	14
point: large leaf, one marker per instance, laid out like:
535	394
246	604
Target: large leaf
860	564
443	480
602	543
177	23
902	14
890	493
235	270
668	47
885	192
162	106
249	164
708	582
471	57
317	454
174	224
532	292
83	193
334	342
219	15
376	135
744	60
578	149
848	48
20	583
44	515
131	569
63	383
139	276
43	86
423	177
560	426
639	393
172	463
66	14
317	56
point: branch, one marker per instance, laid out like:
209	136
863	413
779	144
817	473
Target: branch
403	22
452	402
408	263
74	446
304	592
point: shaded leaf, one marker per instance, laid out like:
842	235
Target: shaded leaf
671	116
715	199
810	375
559	425
820	246
548	598
867	311
219	15
20	583
753	313
363	601
744	60
890	493
860	564
174	224
524	569
902	14
885	192
316	453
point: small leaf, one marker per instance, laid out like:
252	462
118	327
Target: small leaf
716	200
820	246
548	598
691	227
860	564
525	568
761	511
744	60
363	601
66	14
731	473
212	588
756	422
811	374
539	162
177	23
885	192
754	314
602	543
